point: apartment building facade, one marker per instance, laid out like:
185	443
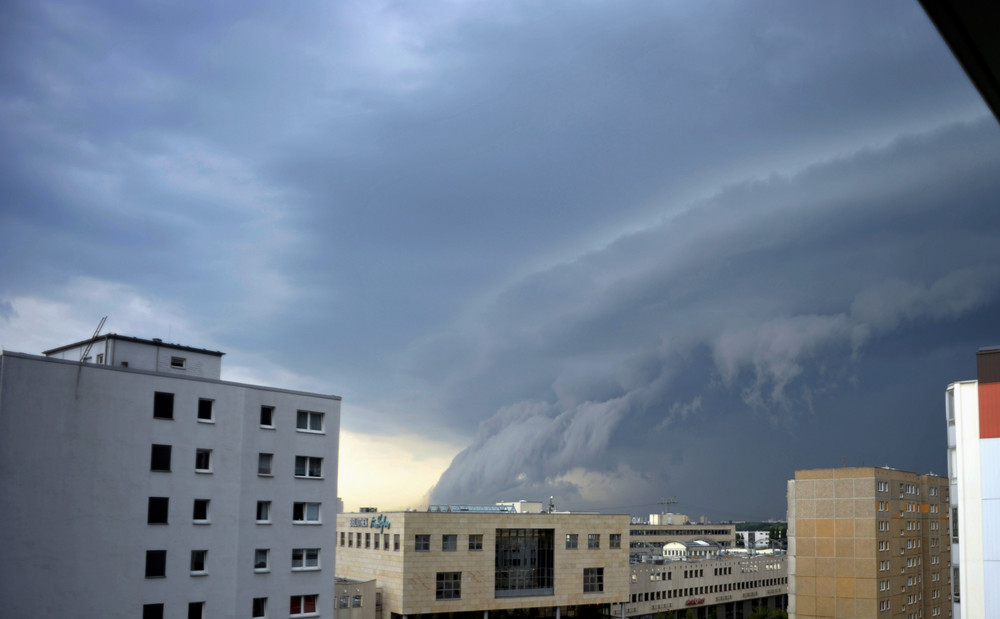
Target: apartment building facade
868	542
146	486
972	409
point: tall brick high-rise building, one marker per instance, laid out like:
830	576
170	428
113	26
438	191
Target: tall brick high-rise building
868	543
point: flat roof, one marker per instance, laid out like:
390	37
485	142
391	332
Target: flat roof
137	340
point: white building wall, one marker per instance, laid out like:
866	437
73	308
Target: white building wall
75	444
966	495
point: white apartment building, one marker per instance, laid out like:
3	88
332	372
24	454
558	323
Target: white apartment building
137	483
972	409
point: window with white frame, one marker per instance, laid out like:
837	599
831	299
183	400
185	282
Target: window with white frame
205	410
264	461
309	466
883	545
196	610
260	560
883	486
883	605
883	566
267	416
308	421
304	605
178	363
883	525
198	560
263	512
200	511
259	608
305	513
305	558
203	460
883	585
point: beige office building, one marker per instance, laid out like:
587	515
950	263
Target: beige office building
482	562
869	543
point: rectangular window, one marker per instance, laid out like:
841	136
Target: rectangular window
385	541
307	421
178	363
198	558
593	580
356	601
263	512
475	541
307	466
156	563
615	540
422	542
449	542
343	602
305	513
259	608
376	541
350	540
954	524
203	460
449	586
303	605
266	421
264	464
152	611
305	559
156	513
205	410
260	559
163	405
196	610
593	541
368	540
524	562
395	542
159	459
201	510
571	541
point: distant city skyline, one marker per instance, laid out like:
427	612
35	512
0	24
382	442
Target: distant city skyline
602	252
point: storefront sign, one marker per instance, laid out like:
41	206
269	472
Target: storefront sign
695	601
379	522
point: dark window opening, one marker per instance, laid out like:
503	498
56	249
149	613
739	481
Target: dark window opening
163	405
156	563
157	510
159	459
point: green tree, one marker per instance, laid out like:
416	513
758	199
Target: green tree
778	614
690	614
758	613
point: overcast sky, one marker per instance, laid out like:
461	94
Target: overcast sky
606	251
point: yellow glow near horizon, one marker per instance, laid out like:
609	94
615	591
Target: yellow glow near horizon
391	472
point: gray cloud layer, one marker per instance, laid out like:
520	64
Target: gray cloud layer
644	233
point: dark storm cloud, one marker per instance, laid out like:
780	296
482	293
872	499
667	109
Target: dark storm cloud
772	291
607	221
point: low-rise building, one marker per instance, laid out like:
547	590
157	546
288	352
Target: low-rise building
487	560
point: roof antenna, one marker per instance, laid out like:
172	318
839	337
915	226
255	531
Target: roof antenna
86	351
